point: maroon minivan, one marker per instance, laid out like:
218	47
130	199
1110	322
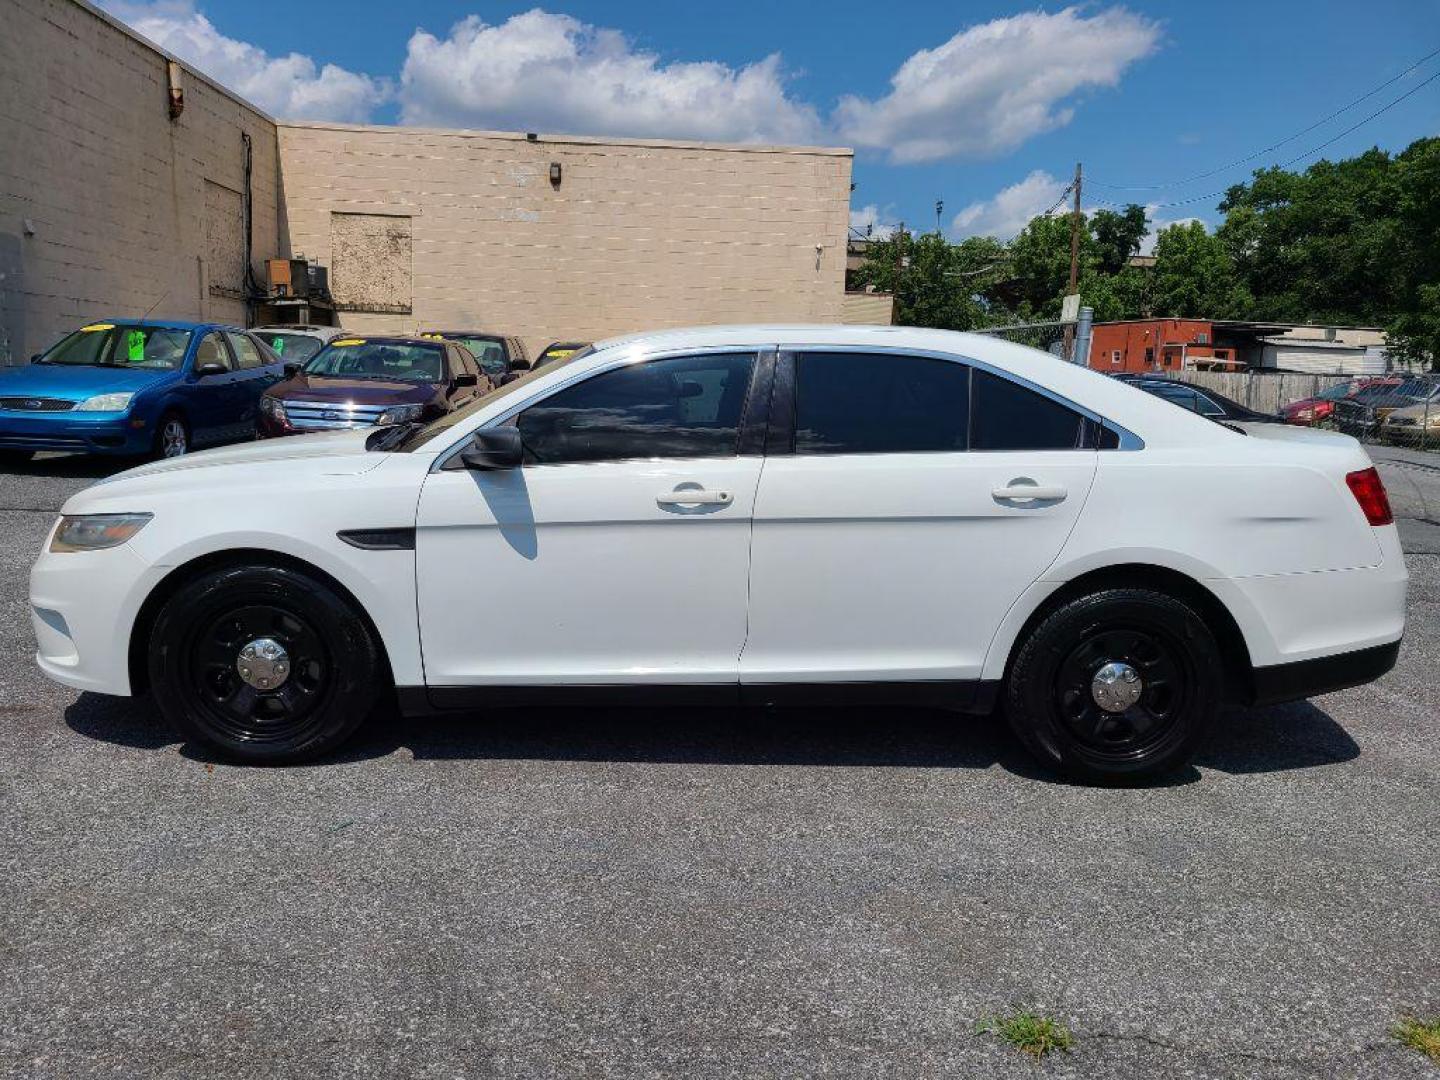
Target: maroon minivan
371	382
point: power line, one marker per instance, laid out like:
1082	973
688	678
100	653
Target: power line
1314	149
1288	139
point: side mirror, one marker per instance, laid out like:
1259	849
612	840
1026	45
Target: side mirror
494	448
509	377
291	369
467	378
518	364
211	367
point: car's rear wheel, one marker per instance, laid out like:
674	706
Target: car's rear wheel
1117	687
172	437
264	664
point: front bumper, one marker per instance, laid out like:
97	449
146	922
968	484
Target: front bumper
82	605
94	433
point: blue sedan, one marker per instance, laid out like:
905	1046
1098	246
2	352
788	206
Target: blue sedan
137	388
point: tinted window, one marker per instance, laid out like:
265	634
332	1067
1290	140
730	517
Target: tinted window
104	345
246	353
1007	416
686	407
876	403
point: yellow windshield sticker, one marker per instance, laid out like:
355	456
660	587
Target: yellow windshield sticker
433	337
97	326
562	353
349	341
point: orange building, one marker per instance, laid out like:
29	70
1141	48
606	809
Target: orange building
1159	345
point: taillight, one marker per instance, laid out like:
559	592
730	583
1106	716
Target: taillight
1369	491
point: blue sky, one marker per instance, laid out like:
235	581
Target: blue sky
985	105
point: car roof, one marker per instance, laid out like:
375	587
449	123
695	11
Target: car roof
168	324
394	339
467	333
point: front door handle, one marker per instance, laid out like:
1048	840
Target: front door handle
694	497
1028	491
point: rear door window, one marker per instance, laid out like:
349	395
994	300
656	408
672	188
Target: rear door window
1007	416
879	403
246	354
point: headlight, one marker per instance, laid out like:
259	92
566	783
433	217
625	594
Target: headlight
94	532
399	414
106	403
271	406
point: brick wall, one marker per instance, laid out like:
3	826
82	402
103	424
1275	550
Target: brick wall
103	198
638	234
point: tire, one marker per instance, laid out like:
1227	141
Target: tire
15	457
291	707
172	436
1054	708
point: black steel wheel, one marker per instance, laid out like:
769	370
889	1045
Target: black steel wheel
265	664
1116	687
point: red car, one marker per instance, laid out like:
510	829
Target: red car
1310	411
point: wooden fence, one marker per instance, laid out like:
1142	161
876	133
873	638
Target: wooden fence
1263	393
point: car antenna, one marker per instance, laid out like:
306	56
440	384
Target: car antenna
153	306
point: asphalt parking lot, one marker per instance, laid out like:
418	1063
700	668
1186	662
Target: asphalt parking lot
707	894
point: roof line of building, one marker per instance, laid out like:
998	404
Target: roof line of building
521	136
1255	324
578	140
130	32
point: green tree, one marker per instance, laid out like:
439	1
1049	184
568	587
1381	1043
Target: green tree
935	283
1118	235
1195	276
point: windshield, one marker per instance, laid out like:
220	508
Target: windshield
295	348
111	345
402	361
423	434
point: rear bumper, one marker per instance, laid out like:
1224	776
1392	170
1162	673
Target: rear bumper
1306	678
106	433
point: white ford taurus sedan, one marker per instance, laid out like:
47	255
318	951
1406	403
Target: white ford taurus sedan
744	514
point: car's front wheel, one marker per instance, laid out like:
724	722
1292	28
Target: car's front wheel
172	437
265	664
1116	687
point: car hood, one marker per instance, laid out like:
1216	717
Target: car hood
77	382
353	391
327	453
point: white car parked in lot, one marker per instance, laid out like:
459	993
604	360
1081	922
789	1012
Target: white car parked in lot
752	514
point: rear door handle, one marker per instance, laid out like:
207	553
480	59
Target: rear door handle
695	497
1032	492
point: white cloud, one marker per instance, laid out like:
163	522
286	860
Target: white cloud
1011	209
993	86
540	71
868	217
292	86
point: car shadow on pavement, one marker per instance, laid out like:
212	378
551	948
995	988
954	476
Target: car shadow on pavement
1276	739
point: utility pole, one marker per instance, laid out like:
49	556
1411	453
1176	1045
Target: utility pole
939	210
1075	221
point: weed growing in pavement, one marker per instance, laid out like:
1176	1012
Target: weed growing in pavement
1421	1035
1028	1032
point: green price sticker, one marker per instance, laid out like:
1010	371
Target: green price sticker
135	345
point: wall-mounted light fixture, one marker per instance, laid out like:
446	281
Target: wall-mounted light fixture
555	174
177	90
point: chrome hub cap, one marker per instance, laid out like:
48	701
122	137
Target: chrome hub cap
1116	687
263	664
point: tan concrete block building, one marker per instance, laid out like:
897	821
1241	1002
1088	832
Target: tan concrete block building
109	206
